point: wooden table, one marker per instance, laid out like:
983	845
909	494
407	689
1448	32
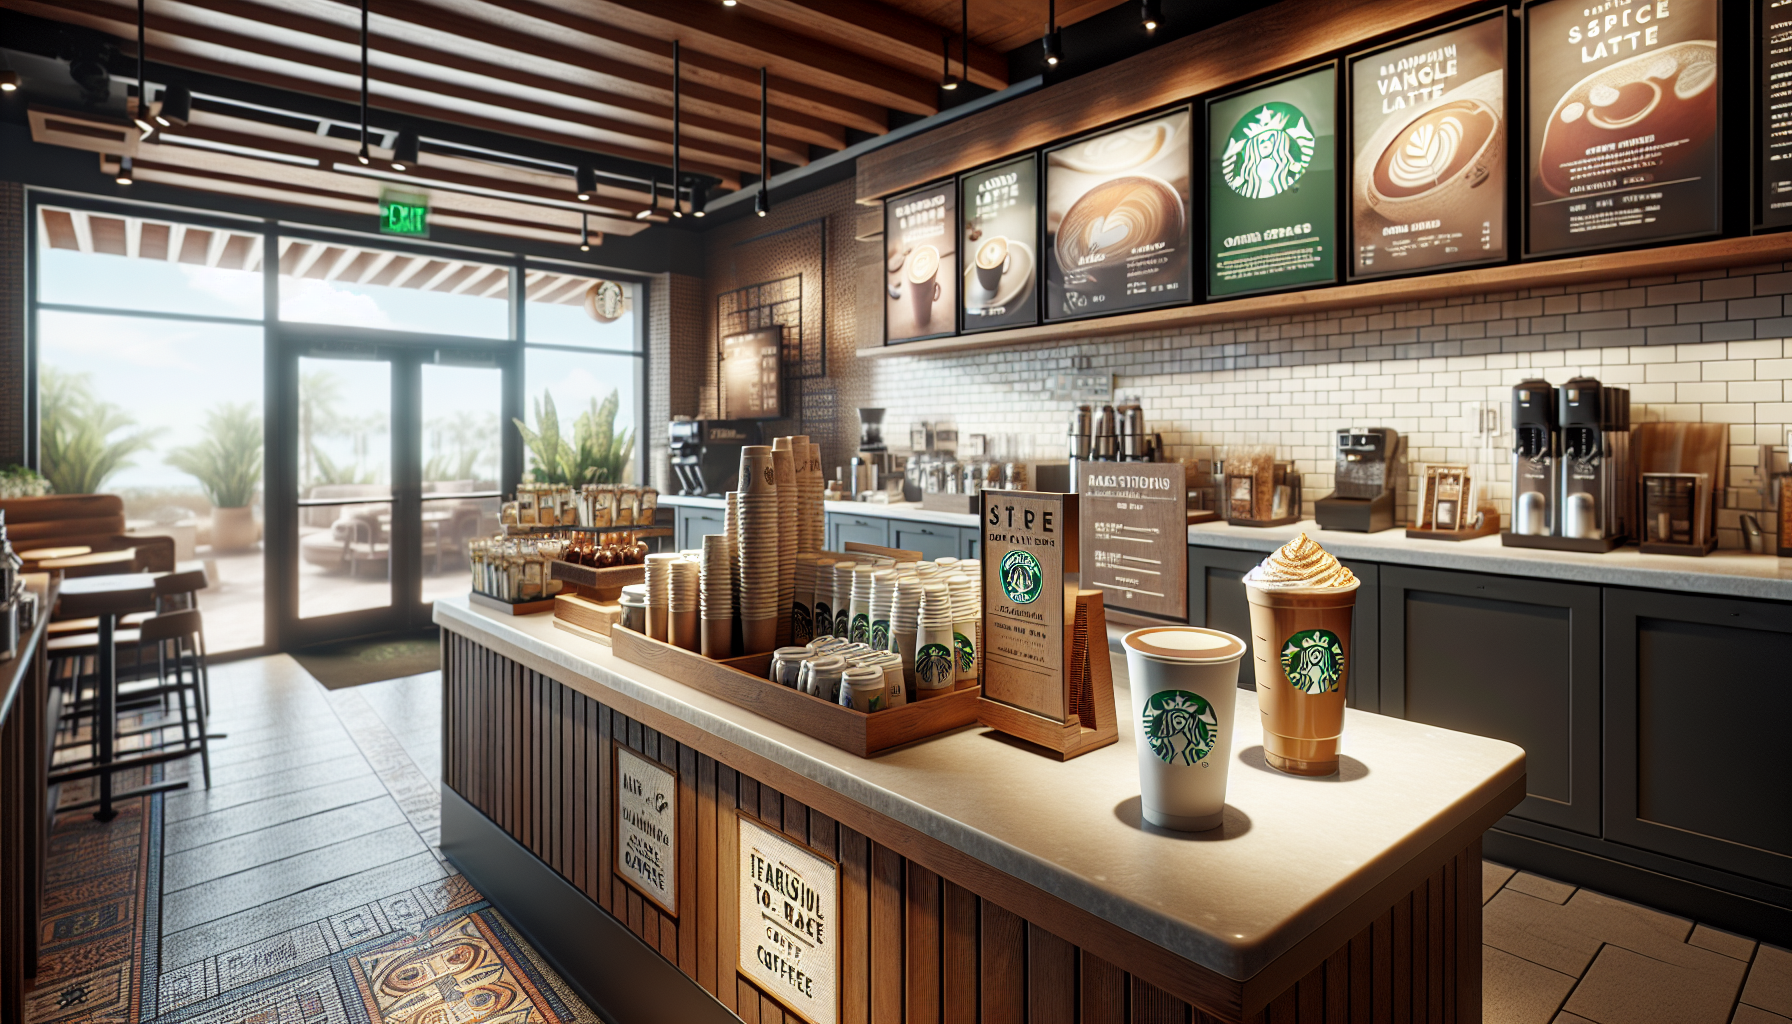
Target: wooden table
106	598
97	563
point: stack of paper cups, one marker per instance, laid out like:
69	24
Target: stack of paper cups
935	663
843	598
731	529
973	568
784	472
861	603
883	595
895	687
821	598
965	622
802	621
757	558
927	570
659	593
682	598
715	589
905	614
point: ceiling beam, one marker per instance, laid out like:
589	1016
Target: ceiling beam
880	31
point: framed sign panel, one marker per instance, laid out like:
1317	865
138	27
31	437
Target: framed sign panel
752	388
1623	108
789	900
1118	230
1428	130
1773	111
921	263
646	827
1000	273
1272	185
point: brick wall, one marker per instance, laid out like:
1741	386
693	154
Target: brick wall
674	344
12	322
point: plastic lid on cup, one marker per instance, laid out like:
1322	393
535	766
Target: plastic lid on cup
1185	644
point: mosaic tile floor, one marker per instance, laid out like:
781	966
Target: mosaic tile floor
305	885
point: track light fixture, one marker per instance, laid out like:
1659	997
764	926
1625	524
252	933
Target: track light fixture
1054	42
728	3
699	199
142	115
404	151
948	81
124	171
762	205
363	156
9	79
677	73
1150	13
584	232
653	188
586	183
176	108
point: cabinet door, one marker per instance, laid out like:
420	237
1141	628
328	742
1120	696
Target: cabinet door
932	541
694	524
844	527
1698	697
970	542
1513	659
1216	600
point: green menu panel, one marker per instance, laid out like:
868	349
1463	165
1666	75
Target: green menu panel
1272	186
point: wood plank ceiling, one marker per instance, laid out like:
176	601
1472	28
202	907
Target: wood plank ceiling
585	78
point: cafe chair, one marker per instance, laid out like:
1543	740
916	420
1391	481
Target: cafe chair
174	644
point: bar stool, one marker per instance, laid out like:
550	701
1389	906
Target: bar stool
176	641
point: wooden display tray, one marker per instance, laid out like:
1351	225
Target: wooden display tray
1593	546
1284	521
587	613
741	682
1489	526
1690	550
602	584
519	608
581	632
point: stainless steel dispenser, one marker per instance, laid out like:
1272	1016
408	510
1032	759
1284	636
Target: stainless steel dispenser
1363	497
1593	472
1535	448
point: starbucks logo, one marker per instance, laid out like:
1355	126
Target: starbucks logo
1313	660
880	635
967	652
1268	151
823	625
1180	726
933	665
1022	579
861	629
843	623
801	629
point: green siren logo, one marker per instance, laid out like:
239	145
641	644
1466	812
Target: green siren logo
824	620
967	652
1313	660
1180	726
880	635
801	630
1268	151
861	628
843	623
933	666
1022	579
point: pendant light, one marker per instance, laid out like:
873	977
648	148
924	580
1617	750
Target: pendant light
585	183
142	114
362	155
948	81
677	68
176	107
405	150
1054	40
584	232
9	79
124	171
1150	13
762	203
699	198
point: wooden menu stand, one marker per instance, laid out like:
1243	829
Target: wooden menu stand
1090	678
1490	525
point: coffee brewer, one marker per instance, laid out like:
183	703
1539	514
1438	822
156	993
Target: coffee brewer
706	454
1535	448
1363	496
1594	470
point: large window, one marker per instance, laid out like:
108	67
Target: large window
583	373
347	286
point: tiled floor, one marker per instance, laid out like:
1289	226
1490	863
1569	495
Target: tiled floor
1554	953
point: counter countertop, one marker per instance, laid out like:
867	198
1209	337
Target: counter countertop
907	510
1725	573
1292	854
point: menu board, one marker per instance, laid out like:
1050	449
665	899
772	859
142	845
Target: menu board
1773	29
1117	224
1135	535
647	828
1272	211
751	385
1030	571
1623	113
789	938
1428	151
1001	227
920	263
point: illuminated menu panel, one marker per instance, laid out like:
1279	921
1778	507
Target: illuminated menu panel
921	263
1001	235
1774	35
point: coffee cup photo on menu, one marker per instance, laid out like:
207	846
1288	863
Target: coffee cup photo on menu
1428	133
1117	224
1001	223
920	264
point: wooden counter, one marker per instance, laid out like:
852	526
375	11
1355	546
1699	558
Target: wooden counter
978	879
24	816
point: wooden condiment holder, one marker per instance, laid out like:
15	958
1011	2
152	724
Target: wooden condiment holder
1490	525
1090	679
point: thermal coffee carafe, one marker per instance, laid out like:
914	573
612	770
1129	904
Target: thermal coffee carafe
1363	498
1535	448
1135	446
1594	468
1082	424
1104	446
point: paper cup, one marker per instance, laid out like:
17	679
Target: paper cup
1184	694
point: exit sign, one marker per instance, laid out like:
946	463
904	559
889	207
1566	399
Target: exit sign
402	213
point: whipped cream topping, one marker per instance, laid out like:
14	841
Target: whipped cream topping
1300	564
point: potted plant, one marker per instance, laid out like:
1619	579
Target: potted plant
227	465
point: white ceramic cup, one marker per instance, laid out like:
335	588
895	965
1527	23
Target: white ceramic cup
1184	694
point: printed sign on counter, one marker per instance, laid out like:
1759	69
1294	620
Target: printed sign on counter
1135	535
1428	137
1272	209
647	828
1029	598
1773	101
1623	106
789	922
921	263
1001	227
1117	223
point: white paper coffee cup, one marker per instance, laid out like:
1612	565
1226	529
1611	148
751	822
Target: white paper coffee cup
1184	694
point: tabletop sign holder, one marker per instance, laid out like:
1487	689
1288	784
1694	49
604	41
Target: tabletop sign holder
1046	674
1133	536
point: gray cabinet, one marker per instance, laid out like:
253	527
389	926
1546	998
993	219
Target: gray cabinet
844	527
694	524
1216	600
1513	659
1698	694
931	540
970	542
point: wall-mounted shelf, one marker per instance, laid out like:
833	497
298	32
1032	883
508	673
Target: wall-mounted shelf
1669	260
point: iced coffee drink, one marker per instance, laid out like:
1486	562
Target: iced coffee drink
1302	603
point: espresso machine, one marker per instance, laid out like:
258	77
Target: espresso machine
1595	494
706	454
1536	446
1363	496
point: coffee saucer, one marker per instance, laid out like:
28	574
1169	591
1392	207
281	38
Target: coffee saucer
1014	285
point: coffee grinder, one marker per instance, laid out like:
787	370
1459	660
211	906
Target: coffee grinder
706	454
1363	497
1594	470
1536	445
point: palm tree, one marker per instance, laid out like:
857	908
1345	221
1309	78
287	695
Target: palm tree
78	450
227	463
